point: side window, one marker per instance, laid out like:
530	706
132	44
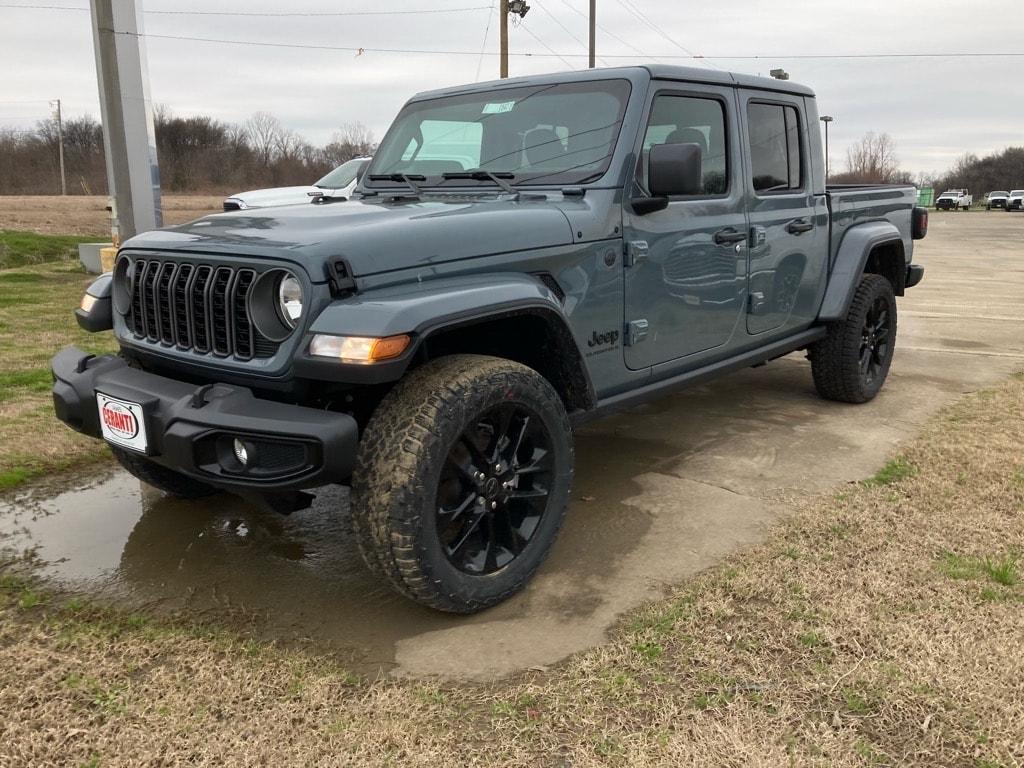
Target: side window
690	120
774	147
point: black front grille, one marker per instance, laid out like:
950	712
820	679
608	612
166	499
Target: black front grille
195	307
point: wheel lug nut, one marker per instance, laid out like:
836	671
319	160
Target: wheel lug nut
480	500
494	505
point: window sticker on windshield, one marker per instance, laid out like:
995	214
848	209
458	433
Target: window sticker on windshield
497	107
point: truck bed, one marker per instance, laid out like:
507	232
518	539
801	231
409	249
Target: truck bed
851	204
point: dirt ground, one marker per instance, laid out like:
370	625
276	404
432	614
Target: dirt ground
87	215
878	625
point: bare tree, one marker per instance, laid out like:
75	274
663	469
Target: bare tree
872	160
351	140
265	133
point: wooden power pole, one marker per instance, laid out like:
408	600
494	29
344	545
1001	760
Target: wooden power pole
503	13
60	150
593	32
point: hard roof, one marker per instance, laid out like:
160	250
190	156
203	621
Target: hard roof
658	71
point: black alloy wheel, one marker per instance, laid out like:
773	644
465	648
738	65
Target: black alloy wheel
462	480
494	488
852	362
874	342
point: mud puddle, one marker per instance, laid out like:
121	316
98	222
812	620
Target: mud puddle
300	578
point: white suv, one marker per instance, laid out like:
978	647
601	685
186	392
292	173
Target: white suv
336	185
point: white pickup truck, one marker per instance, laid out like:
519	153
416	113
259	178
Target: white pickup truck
954	200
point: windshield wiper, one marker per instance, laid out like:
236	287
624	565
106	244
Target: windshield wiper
409	179
479	174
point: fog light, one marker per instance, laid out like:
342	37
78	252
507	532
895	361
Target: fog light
241	452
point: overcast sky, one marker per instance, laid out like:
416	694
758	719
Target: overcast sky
935	108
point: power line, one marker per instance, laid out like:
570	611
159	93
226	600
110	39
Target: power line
531	54
483	45
531	33
270	14
603	28
567	30
628	5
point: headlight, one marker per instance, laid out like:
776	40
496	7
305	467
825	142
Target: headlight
358	349
289	299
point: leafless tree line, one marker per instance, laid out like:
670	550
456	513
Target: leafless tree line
196	154
1001	170
872	160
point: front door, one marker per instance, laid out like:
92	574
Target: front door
686	265
788	224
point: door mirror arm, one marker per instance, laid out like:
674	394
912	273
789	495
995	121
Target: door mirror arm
644	205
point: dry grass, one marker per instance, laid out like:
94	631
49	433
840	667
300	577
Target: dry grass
878	626
87	215
36	319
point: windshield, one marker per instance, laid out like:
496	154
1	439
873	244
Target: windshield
1017	192
540	134
343	175
998	194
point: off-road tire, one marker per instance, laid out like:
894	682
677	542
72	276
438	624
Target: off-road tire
835	360
399	466
167	480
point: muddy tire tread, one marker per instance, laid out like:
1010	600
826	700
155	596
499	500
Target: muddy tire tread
400	444
835	359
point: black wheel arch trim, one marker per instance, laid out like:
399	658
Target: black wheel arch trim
426	311
851	259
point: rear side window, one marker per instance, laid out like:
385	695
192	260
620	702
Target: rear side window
774	147
690	120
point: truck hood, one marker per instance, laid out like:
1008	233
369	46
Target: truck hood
264	198
372	235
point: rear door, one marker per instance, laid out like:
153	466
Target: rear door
685	266
788	223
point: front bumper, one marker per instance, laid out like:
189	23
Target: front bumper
190	428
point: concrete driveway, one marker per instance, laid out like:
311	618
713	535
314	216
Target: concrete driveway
662	492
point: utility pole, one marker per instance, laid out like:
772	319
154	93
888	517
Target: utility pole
593	31
60	150
505	7
826	119
129	140
503	13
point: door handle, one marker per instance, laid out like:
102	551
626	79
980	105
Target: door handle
728	236
799	226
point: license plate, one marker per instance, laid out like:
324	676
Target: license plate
122	422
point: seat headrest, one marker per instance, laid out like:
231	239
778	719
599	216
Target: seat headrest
541	146
688	136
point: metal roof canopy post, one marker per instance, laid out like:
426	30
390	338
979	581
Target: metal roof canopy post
129	139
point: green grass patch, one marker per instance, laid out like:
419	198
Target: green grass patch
17	382
18	249
37	319
1002	570
894	471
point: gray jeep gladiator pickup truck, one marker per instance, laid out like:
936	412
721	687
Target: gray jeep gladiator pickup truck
520	256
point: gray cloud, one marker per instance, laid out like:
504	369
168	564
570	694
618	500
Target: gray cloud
936	109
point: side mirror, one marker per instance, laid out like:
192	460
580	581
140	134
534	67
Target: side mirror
675	169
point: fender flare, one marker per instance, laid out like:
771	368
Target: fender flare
424	309
851	258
